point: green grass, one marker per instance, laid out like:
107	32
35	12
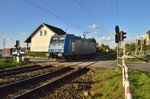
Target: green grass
107	84
136	59
140	82
10	63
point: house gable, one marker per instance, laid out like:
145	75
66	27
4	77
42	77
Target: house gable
41	37
40	40
56	30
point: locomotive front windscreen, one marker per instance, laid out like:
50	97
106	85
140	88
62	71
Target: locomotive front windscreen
57	40
57	44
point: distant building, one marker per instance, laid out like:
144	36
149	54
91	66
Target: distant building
7	52
41	37
148	38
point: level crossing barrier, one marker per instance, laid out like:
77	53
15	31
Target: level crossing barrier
126	82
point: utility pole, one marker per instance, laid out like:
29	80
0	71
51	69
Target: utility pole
136	47
4	42
141	44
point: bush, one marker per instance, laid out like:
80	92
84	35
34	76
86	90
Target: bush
36	54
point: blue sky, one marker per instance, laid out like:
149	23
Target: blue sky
19	18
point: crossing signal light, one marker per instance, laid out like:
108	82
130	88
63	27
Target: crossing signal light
117	29
139	42
122	35
17	44
117	38
117	35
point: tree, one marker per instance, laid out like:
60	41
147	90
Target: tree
92	39
130	47
104	47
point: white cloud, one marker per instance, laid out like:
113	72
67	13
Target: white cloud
134	38
95	33
94	26
104	39
107	40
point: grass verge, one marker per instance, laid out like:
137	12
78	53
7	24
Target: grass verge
140	83
138	59
108	84
10	63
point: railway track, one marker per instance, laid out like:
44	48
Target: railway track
58	82
34	87
28	73
12	71
17	87
23	70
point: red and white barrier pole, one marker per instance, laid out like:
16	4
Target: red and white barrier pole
128	90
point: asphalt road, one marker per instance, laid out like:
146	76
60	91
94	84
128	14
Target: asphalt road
109	63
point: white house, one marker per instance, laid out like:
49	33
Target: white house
41	37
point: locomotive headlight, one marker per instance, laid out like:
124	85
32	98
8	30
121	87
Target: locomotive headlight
59	54
61	50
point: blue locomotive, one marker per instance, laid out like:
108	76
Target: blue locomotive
69	46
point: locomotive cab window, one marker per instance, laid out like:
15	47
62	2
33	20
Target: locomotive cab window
61	39
54	40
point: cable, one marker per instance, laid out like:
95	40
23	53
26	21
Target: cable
48	5
117	12
112	12
86	12
51	13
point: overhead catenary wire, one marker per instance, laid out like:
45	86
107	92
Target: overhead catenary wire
85	11
52	7
88	12
51	13
117	12
112	11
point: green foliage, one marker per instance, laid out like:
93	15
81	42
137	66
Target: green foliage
130	47
92	39
103	47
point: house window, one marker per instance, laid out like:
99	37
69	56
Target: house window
41	33
45	32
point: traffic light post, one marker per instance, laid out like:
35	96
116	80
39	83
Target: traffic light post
119	37
117	40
